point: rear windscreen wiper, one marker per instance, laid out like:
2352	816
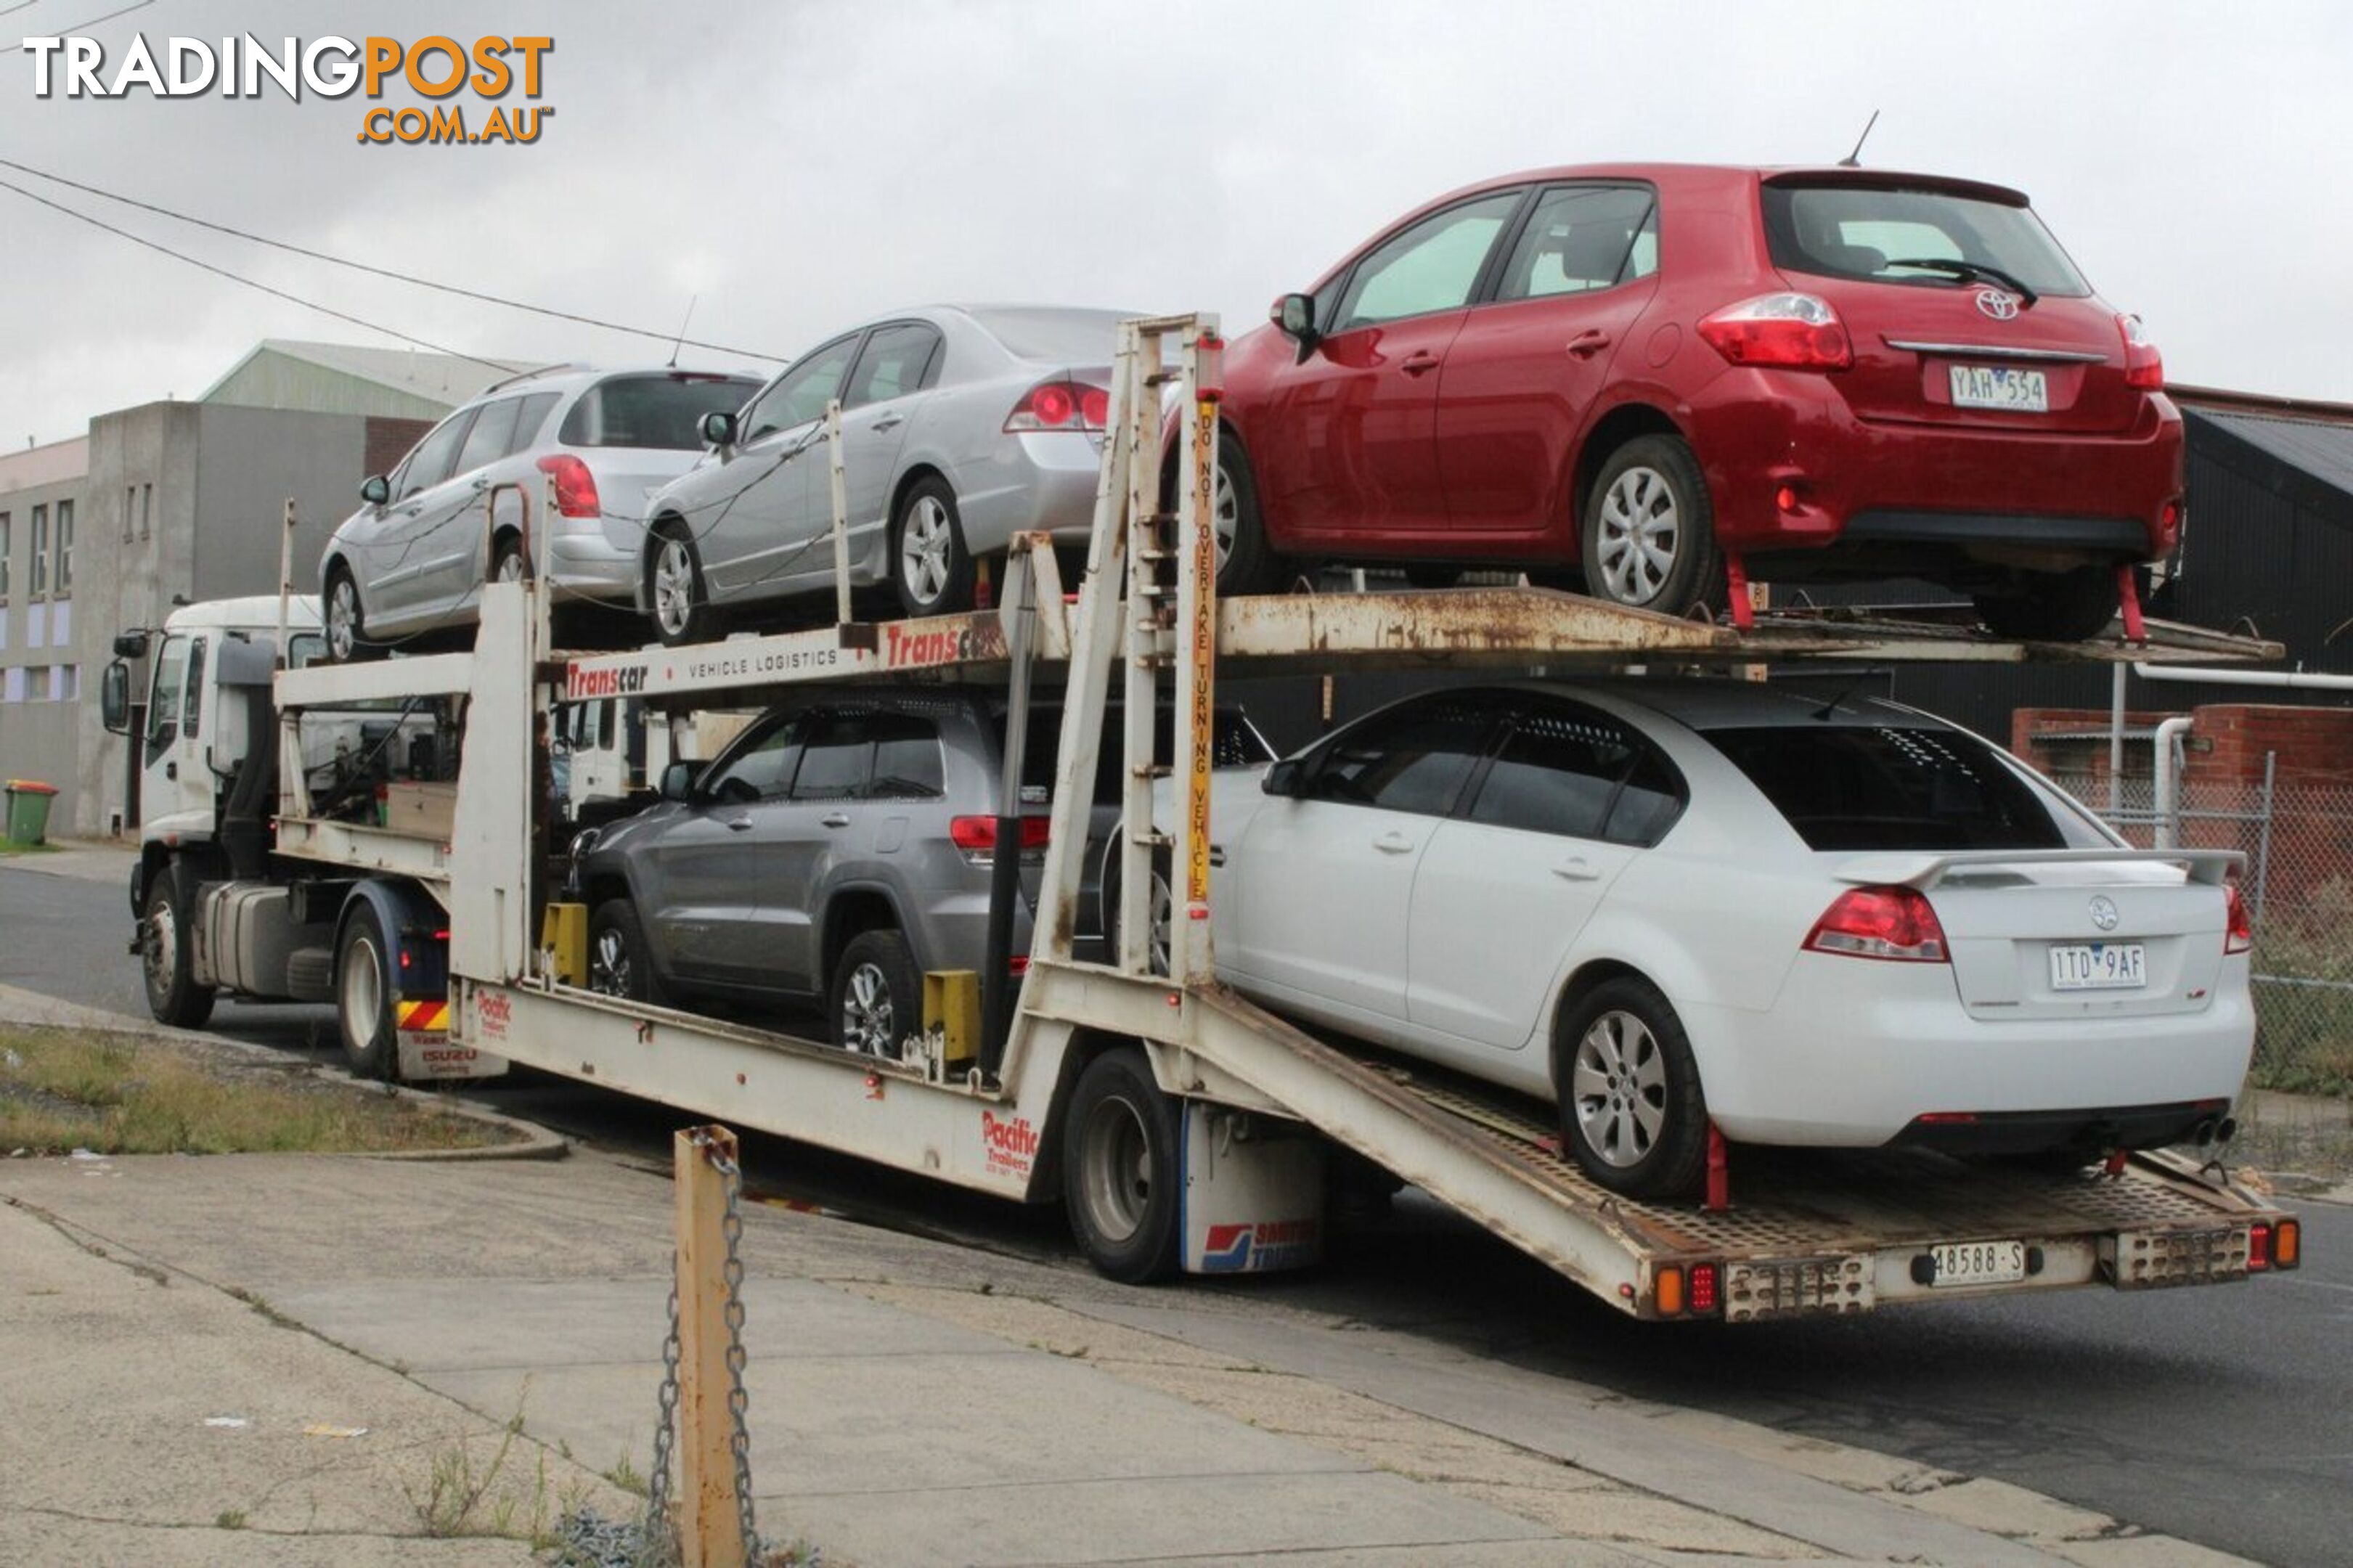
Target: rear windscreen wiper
1971	271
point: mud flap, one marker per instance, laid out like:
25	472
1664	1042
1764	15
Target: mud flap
1253	1193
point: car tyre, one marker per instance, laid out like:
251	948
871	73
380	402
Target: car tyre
677	593
620	960
2053	606
1648	538
1122	1169
344	619
1246	563
506	560
365	993
167	955
1633	1112
1432	576
1163	910
877	995
931	570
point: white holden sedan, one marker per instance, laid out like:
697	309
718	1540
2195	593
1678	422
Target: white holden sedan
1825	921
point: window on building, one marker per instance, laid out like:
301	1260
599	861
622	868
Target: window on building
6	530
130	511
65	547
36	686
67	685
146	510
40	574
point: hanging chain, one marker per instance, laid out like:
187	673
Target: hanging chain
660	1543
739	1401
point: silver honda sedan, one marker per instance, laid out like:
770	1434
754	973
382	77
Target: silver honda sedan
411	561
961	427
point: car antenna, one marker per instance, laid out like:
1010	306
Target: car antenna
1851	160
691	299
1828	709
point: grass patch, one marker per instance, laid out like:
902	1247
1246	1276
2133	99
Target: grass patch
62	1089
14	847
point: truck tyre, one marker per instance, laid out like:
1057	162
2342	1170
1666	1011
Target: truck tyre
1631	1111
365	992
1122	1179
167	954
877	995
619	963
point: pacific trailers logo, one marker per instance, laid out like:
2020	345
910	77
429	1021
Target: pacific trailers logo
1011	1146
436	67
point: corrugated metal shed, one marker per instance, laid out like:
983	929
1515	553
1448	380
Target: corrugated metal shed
343	378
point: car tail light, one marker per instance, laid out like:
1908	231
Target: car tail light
1060	405
1795	332
2144	366
979	833
2238	932
576	486
1881	923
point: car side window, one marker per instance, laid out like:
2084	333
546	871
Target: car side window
491	435
838	761
801	394
529	417
1581	239
1412	758
430	464
762	767
1432	266
1565	769
898	359
908	762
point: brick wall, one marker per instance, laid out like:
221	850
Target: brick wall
388	441
2229	741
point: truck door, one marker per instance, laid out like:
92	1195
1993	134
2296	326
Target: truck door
176	787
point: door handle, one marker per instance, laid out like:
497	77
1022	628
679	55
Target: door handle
739	824
1588	343
835	819
888	422
482	483
1579	869
1393	843
171	770
1420	363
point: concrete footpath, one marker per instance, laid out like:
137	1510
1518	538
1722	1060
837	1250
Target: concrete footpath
303	1359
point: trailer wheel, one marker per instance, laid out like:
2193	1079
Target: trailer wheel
364	995
167	957
1631	1109
1121	1177
877	995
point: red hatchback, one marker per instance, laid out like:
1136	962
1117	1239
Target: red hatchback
1636	371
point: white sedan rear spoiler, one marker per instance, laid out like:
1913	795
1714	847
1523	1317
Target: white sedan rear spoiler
1924	871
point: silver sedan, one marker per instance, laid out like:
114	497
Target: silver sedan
960	427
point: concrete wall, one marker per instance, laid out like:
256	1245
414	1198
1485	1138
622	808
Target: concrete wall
251	461
42	669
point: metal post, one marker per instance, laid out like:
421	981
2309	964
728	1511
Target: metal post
285	583
2168	830
840	511
2117	742
1020	615
2264	837
1196	635
1140	361
711	1531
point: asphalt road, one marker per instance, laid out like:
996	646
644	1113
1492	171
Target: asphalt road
2221	1416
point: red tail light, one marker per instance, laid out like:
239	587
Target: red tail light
1703	1286
576	486
1060	405
2144	366
979	832
2239	934
1894	924
2259	1248
1795	332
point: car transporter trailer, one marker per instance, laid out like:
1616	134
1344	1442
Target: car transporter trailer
1186	1128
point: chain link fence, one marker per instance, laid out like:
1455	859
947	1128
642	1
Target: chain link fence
2298	840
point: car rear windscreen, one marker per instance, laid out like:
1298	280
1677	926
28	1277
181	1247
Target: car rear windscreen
1857	786
660	411
1853	231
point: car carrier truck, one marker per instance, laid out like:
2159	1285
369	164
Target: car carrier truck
381	836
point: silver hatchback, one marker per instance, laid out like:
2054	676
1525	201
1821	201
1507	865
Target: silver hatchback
961	427
411	561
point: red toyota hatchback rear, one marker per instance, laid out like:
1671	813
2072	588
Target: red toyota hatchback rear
1635	370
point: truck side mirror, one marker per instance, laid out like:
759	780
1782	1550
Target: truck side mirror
375	489
678	780
1283	778
718	427
1294	314
114	697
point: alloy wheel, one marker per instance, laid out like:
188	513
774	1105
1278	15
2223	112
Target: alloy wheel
927	544
1619	1087
868	1013
510	568
1641	532
342	618
673	592
1225	514
608	965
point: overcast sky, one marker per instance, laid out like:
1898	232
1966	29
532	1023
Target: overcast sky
801	165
